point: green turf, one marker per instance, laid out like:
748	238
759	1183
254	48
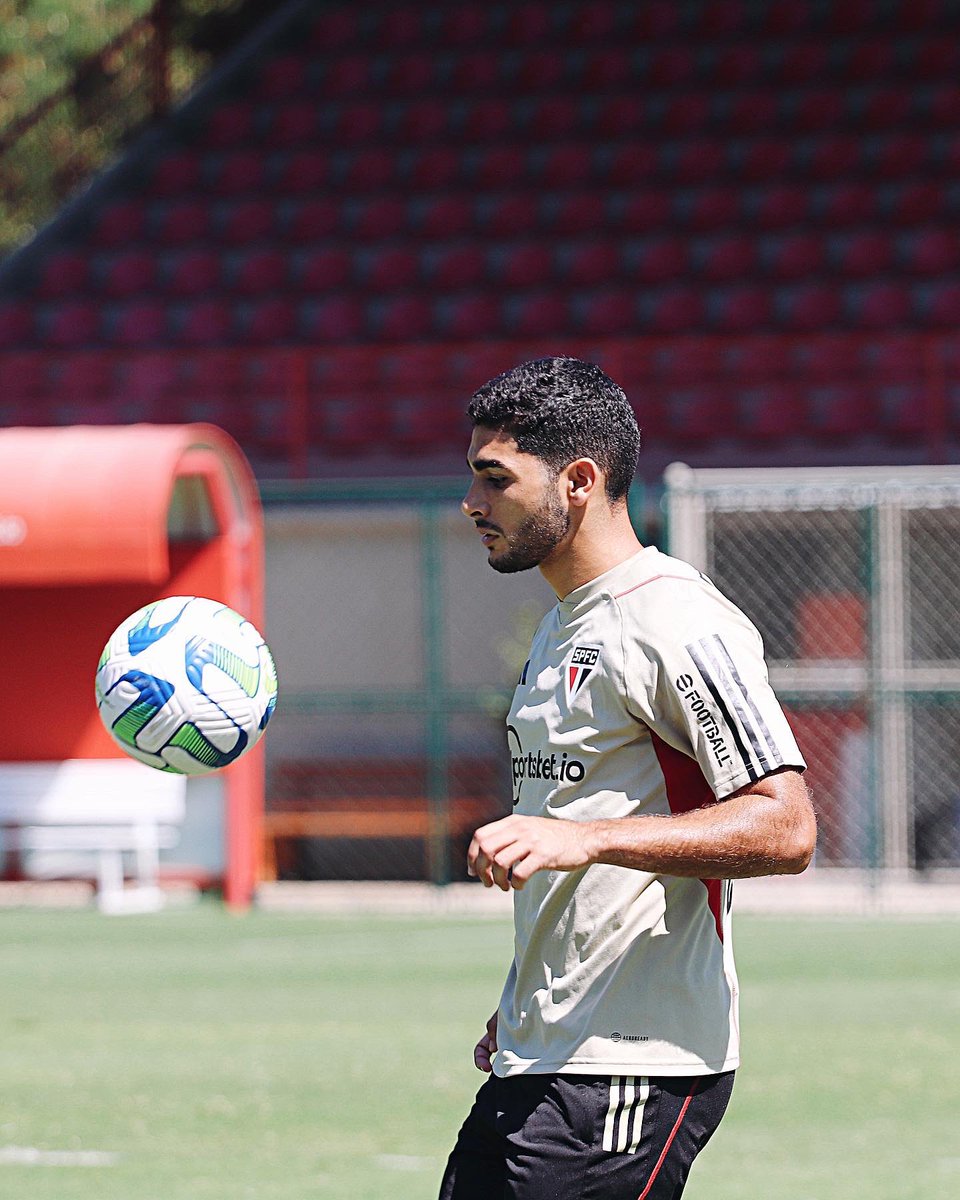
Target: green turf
293	1056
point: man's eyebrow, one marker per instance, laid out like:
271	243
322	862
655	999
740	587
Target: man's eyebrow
488	464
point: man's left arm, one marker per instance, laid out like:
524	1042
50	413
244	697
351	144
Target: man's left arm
765	828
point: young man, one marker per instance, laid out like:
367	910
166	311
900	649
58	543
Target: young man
651	764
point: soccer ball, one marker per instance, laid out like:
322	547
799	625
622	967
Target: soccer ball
186	684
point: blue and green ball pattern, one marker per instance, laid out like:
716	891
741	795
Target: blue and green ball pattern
186	685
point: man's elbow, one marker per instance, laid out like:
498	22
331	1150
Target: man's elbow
801	842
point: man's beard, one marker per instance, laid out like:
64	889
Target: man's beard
534	539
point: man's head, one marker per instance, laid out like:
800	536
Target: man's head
562	409
549	437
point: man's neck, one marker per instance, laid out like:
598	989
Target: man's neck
588	557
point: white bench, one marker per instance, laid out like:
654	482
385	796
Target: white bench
105	807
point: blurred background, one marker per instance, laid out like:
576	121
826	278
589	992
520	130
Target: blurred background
320	226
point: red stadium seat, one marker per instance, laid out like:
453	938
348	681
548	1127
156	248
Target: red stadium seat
865	254
753	112
461	267
744	309
698	415
305	170
119	222
411	73
270	321
848	204
487	120
580	213
347	75
322	270
834	156
608	312
176	173
141	323
819	109
670	66
260	271
781	206
340	26
353	427
678	309
871	59
87	375
764	159
232	124
803	62
477	70
900	156
442	217
772	413
540	314
841	412
403	318
607	68
661	260
689	114
881	305
422	120
631	164
337	319
424	425
193	273
568	165
622	116
283	77
356	121
237	172
796	256
391	269
918	203
932	252
75	323
471	317
943	306
736	65
712	208
246	221
811	306
594	263
183	222
698	161
645	211
729	257
435	167
146	379
369	170
510	216
311	221
205	322
381	218
130	273
63	273
548	69
495	164
554	118
294	123
886	107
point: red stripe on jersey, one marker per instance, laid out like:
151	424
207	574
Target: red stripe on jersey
673	1133
653	579
687	789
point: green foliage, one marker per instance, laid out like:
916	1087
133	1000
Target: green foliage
287	1057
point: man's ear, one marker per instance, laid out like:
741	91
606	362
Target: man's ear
581	479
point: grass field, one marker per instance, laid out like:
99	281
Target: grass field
193	1054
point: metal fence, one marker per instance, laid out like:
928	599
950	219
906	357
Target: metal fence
853	579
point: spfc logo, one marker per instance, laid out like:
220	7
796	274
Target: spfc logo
581	664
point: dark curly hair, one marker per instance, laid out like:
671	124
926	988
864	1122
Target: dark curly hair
561	409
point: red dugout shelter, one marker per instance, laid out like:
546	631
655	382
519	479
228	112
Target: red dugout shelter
95	522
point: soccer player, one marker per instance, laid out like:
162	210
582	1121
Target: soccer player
651	766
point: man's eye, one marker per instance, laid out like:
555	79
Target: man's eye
497	481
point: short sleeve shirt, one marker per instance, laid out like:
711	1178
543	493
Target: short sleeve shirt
646	693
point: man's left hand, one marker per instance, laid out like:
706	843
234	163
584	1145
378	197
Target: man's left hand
507	852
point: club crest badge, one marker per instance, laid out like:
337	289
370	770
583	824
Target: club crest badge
582	662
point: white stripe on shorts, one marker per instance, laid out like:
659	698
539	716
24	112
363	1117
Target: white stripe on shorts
624	1121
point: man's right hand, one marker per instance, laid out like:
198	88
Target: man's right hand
486	1047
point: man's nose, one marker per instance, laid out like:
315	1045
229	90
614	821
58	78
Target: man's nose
471	504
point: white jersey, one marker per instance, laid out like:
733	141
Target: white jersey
645	693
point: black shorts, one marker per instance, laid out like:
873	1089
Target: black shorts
584	1137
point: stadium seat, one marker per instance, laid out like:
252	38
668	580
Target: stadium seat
477	70
678	309
305	170
62	273
293	124
428	424
644	211
184	221
622	116
670	66
321	270
355	121
763	159
698	161
711	208
608	68
900	156
471	317
350	428
568	165
780	206
120	222
810	306
391	269
232	124
539	314
339	26
87	375
744	309
698	414
774	412
752	112
238	172
833	156
466	25
487	120
842	411
885	107
493	165
736	65
334	320
796	256
129	273
732	256
865	254
403	318
192	273
880	305
461	266
146	379
260	271
932	252
847	204
383	217
553	118
246	221
442	217
420	121
510	216
75	323
688	114
347	75
269	321
309	221
579	213
543	70
369	170
176	173
141	323
902	412
282	77
411	73
661	260
205	322
608	311
593	263
435	167
802	61
918	203
943	306
630	165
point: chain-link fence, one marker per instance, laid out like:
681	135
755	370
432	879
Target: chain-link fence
398	650
853	579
